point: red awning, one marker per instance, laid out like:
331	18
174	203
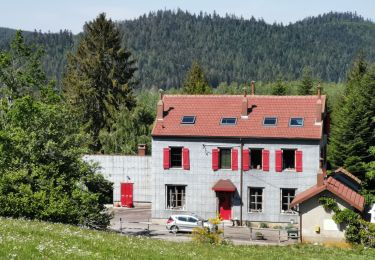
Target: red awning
224	185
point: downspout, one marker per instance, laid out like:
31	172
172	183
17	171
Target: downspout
241	179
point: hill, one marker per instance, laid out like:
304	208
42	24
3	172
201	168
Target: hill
229	48
22	239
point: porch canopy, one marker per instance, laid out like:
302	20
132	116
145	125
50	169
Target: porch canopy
224	185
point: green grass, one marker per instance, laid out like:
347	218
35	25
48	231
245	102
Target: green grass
22	239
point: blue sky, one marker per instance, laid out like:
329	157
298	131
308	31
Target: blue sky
49	15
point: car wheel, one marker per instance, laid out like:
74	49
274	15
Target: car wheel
174	229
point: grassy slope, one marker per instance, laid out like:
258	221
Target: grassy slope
21	239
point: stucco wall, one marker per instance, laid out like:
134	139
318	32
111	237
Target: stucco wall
314	215
200	178
119	168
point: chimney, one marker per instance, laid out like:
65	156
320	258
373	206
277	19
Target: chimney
252	87
160	107
318	107
141	150
244	105
320	178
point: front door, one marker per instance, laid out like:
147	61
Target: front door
225	205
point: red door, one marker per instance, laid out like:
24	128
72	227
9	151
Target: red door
127	194
225	207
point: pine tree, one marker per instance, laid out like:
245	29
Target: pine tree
196	82
352	126
99	77
305	88
279	89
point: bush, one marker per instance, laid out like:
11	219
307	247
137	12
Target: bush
263	225
204	235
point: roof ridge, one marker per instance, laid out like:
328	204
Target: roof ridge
248	96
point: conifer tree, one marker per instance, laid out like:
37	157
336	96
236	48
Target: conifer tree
305	88
99	77
196	82
353	127
279	89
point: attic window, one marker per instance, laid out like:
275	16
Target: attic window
228	121
270	121
188	120
296	121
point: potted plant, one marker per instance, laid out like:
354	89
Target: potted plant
259	236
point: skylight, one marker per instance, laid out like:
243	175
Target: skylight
188	120
296	121
270	121
228	121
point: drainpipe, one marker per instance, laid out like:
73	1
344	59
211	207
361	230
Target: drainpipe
241	179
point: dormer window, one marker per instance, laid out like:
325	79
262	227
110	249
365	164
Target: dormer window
228	121
296	121
270	121
188	120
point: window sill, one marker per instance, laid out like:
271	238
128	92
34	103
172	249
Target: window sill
289	213
255	212
289	170
182	210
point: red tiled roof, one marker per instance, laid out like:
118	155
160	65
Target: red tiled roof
335	187
209	109
224	185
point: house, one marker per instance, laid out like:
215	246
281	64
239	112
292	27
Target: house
316	223
244	157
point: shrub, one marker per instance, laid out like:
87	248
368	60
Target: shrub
263	225
204	235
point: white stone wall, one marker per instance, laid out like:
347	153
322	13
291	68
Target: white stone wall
314	215
120	168
201	199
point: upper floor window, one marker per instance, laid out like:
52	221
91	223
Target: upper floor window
228	121
188	120
256	158
225	158
289	159
255	199
176	157
296	121
287	196
270	121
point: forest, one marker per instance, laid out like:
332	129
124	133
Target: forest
230	49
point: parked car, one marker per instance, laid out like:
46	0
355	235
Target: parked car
186	223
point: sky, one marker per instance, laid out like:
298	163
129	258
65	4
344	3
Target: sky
49	15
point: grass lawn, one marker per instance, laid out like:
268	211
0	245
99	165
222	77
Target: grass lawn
22	239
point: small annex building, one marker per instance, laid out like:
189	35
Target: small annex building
316	223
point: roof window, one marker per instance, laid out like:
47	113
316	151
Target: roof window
270	121
296	121
188	120
228	121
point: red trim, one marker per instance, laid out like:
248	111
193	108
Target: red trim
246	159
279	160
186	158
234	159
215	159
166	158
266	160
298	161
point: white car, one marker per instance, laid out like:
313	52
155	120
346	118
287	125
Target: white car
186	223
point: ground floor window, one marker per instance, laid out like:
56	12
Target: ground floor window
175	197
255	199
287	196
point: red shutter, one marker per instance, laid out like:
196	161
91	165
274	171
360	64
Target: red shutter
245	159
186	158
298	161
215	159
279	161
234	159
266	160
166	160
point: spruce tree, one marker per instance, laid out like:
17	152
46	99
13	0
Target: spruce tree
305	88
196	82
279	89
352	126
98	77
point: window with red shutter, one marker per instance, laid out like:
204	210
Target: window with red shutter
279	160
215	159
298	161
234	159
166	158
266	160
246	159
186	158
